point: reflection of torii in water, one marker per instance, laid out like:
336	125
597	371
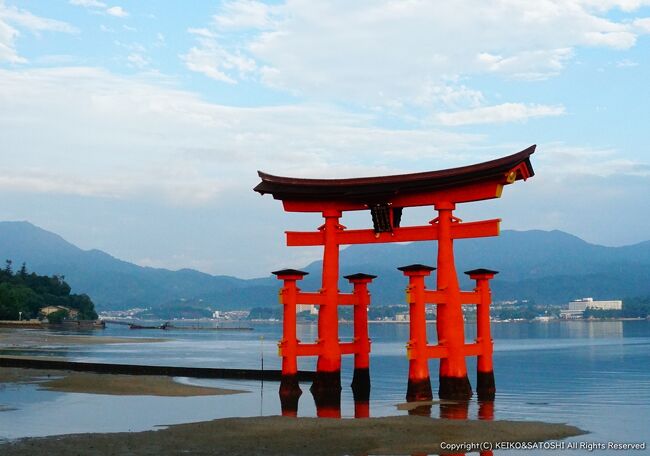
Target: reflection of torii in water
386	197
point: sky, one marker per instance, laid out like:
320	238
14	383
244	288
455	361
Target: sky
138	127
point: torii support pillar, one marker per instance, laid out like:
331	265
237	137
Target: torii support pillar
450	324
419	382
288	346
485	386
361	376
326	388
328	366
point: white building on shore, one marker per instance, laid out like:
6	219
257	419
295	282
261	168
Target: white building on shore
311	308
576	308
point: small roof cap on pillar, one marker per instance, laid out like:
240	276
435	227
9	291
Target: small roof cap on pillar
481	271
416	267
360	276
288	272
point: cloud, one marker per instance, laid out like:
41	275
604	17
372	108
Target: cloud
138	60
506	112
329	50
8	36
215	61
88	3
43	181
101	134
105	135
528	65
626	63
623	5
562	159
11	17
244	14
642	25
160	40
56	59
25	19
116	11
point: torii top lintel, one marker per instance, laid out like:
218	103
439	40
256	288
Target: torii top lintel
455	185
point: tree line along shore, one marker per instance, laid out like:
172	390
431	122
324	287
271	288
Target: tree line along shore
26	295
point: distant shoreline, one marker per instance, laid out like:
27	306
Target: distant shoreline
393	322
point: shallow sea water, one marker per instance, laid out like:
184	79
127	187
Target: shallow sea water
594	375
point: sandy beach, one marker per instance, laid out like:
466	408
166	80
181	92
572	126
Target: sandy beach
150	385
122	385
270	436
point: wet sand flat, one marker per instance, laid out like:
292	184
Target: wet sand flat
28	338
123	385
150	385
295	436
17	375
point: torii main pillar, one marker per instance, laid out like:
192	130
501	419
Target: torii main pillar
450	324
386	197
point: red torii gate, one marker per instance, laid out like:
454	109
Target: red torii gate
386	197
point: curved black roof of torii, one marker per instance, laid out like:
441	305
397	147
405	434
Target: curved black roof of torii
375	188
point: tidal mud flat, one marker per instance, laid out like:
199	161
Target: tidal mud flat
19	339
121	385
87	382
296	436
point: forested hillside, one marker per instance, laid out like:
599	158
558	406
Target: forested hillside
23	294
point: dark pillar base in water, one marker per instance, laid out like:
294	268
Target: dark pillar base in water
289	405
289	395
289	386
485	387
326	383
326	390
455	388
361	384
419	390
328	403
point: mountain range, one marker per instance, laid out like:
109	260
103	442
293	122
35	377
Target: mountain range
549	267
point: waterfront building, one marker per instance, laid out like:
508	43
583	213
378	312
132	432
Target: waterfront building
46	311
569	314
576	308
311	308
402	316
